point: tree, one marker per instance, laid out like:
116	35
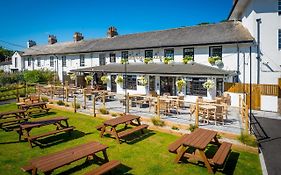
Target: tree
5	53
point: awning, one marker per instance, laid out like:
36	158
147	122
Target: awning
168	69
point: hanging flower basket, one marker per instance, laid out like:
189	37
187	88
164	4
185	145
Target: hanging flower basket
119	79
147	60
72	76
180	84
142	81
167	60
124	61
104	79
209	84
187	59
88	78
212	60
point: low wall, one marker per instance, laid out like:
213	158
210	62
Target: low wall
269	103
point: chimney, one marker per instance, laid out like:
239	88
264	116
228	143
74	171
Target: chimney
31	43
112	32
77	36
52	39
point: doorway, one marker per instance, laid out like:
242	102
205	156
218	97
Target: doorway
113	83
167	85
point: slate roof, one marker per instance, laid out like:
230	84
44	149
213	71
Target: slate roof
222	33
174	69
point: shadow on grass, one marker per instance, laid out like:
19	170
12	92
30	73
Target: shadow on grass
137	137
57	139
43	114
122	169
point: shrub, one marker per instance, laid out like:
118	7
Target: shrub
157	122
192	128
51	102
103	110
114	114
247	139
175	128
60	103
36	76
45	99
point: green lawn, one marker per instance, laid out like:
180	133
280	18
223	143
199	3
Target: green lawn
148	155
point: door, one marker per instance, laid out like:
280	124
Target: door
102	59
151	83
113	83
167	85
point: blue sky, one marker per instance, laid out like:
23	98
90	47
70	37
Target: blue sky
35	19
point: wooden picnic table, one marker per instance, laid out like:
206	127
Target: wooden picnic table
126	119
199	140
57	121
47	164
41	106
18	115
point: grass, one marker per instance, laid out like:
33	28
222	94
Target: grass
148	155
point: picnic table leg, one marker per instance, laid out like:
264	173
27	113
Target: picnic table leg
34	171
180	153
139	123
105	155
115	134
102	131
207	164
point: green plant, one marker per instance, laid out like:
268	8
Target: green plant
45	99
142	81
66	105
119	79
104	79
114	114
157	122
209	84
147	60
88	78
212	60
60	103
192	127
78	106
51	102
175	128
219	136
186	59
180	84
103	110
167	60
247	139
124	61
72	76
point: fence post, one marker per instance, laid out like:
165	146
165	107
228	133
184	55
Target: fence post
66	91
240	101
247	118
158	107
103	100
74	103
84	95
197	113
128	103
94	105
18	98
52	92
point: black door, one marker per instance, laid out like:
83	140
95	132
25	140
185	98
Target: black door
167	85
113	83
151	83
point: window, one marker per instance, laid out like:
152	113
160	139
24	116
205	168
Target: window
124	55
29	61
16	61
112	57
82	60
194	86
279	39
169	53
215	51
188	52
63	59
38	62
148	53
279	7
130	82
51	61
102	59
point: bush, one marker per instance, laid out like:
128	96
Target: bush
103	110
60	103
114	114
51	102
175	128
38	76
45	99
247	139
192	128
157	122
66	105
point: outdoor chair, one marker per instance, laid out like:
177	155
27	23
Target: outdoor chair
192	110
218	115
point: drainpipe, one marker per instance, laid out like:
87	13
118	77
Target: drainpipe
238	62
258	50
250	86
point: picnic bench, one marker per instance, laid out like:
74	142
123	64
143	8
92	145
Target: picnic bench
47	164
12	118
104	168
127	120
34	107
26	127
198	142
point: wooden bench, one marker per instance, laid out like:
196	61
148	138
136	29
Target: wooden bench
27	168
105	168
222	154
50	133
130	131
99	127
173	147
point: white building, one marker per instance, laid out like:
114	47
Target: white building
17	62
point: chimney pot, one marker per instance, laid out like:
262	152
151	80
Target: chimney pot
112	32
77	36
31	43
52	39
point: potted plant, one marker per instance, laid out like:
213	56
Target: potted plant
167	60
104	79
187	59
119	79
180	84
147	60
209	85
142	81
73	77
124	61
212	60
88	78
